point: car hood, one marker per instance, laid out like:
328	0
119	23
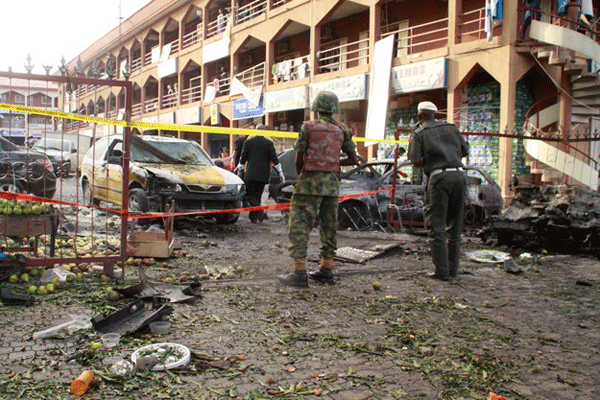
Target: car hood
191	174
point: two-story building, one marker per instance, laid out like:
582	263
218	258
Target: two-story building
235	63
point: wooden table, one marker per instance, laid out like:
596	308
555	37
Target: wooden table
30	225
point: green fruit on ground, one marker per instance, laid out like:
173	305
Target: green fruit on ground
13	278
112	295
50	288
70	277
32	289
42	290
79	276
25	277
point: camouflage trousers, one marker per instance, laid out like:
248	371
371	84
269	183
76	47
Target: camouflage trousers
304	211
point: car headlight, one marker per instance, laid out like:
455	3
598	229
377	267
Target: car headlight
169	187
234	189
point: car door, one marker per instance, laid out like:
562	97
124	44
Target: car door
97	163
114	170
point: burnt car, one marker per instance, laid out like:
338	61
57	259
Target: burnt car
162	170
287	159
25	171
484	197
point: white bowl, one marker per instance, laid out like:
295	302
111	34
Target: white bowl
111	339
180	359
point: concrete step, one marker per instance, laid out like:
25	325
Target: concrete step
593	92
586	77
584	84
575	68
580	119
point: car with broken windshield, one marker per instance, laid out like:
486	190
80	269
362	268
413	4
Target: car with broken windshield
366	198
162	170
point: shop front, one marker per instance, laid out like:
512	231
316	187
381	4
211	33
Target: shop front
409	85
286	111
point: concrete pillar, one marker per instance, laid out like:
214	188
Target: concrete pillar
508	89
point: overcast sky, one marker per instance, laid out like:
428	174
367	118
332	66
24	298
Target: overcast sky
50	29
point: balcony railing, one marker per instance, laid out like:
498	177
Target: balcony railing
418	38
136	64
151	105
222	86
192	93
249	11
217	26
169	100
336	55
292	69
193	37
148	56
471	26
136	109
174	46
277	3
254	76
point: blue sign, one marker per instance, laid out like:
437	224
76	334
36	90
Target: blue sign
243	109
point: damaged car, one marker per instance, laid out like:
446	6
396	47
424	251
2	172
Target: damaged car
162	170
366	198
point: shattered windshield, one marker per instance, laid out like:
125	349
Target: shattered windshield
174	152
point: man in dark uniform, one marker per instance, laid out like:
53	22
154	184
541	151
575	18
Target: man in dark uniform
438	147
259	153
316	193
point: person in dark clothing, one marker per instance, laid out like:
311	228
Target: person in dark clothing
532	12
238	145
259	153
438	147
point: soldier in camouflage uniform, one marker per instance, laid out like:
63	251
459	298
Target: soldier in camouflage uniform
316	193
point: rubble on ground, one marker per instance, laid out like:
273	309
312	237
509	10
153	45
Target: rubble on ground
563	215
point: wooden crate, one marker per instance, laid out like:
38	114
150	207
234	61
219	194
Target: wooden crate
150	244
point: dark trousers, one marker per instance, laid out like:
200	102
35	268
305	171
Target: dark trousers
444	212
254	191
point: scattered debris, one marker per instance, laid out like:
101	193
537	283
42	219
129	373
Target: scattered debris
11	299
512	267
488	256
77	322
562	217
135	316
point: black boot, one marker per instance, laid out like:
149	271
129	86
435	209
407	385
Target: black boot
323	275
295	279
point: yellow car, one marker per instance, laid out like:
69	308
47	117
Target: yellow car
162	169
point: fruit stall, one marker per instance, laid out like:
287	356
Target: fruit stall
22	223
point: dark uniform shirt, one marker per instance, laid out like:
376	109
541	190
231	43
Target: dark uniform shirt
439	144
319	183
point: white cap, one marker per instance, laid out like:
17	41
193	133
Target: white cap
426	105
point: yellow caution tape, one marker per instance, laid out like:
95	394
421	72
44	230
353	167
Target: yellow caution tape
169	127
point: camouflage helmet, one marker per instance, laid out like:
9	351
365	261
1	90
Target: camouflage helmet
326	102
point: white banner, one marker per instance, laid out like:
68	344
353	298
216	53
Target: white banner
347	89
219	49
379	89
167	68
289	99
419	76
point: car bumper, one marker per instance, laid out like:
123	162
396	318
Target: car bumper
190	202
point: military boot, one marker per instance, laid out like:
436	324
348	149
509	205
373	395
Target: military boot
298	278
325	272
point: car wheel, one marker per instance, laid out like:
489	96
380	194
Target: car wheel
473	217
11	187
138	201
353	215
66	170
88	196
227	219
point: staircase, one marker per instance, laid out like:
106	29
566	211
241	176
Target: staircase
586	102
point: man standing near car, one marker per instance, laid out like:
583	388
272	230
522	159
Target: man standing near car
438	147
259	153
316	193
